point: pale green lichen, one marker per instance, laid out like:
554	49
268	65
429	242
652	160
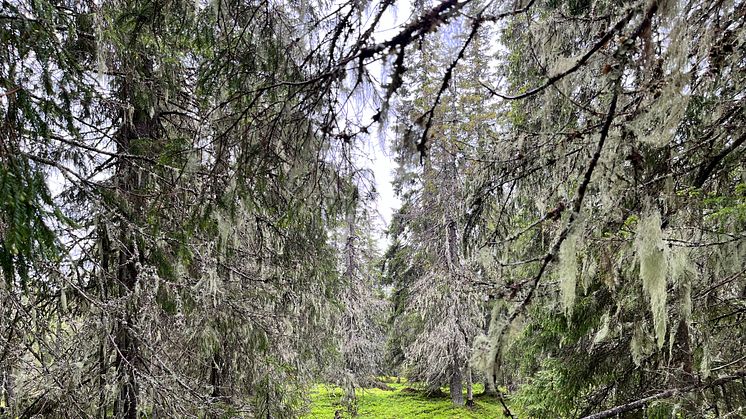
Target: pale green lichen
568	273
651	255
590	268
485	349
683	272
704	364
640	345
63	300
603	331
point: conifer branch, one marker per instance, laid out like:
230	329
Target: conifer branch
641	403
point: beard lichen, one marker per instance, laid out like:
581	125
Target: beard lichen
651	255
568	272
683	273
603	330
487	347
640	345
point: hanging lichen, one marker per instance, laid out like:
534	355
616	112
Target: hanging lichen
603	331
651	255
640	345
704	364
590	268
101	53
63	300
568	273
683	272
657	126
485	348
481	350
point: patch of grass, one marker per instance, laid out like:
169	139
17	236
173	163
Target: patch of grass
399	402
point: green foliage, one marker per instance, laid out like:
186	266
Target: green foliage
26	209
726	208
562	360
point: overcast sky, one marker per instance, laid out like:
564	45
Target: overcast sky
380	159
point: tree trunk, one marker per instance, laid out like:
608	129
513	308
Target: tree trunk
103	367
682	355
457	395
216	375
127	347
103	278
7	394
125	339
490	389
469	392
127	405
137	127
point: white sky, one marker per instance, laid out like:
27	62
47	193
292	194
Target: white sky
380	159
381	163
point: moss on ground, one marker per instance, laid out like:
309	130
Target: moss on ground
401	402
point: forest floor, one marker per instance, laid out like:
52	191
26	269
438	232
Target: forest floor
401	401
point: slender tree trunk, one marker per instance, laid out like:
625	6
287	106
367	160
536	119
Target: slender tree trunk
216	375
218	360
125	331
7	393
103	363
454	267
126	371
457	395
126	339
102	378
682	354
469	390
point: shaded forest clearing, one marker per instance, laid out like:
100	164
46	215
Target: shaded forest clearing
401	400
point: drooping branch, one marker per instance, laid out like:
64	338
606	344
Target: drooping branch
708	168
638	404
577	205
575	67
501	16
426	23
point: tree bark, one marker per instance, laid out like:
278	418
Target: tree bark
104	248
457	395
469	392
216	375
